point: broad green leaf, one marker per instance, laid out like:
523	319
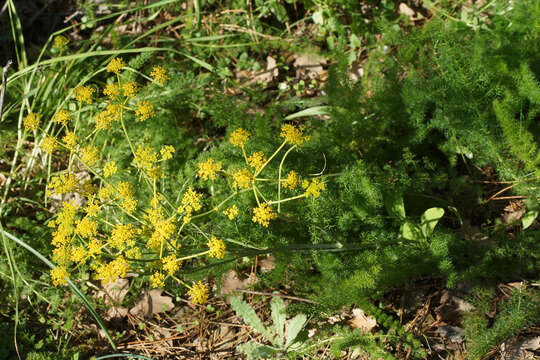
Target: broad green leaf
244	310
528	219
312	111
429	220
393	201
411	231
278	318
294	327
256	351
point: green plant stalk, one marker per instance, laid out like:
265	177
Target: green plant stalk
71	284
279	177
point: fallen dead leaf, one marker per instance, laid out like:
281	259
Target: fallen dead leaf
152	303
231	282
362	321
114	292
451	333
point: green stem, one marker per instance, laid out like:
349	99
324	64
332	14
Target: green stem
279	177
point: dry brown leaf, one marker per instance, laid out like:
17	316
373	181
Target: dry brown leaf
362	321
152	303
231	282
116	312
114	292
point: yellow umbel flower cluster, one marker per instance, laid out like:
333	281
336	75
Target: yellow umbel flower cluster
157	280
170	264
293	135
86	228
231	212
199	293
292	180
263	214
70	140
216	248
116	65
145	158
123	236
62	117
159	75
105	118
48	144
112	271
242	179
239	137
83	94
313	188
191	202
130	89
163	228
64	183
59	275
109	169
256	160
208	169
31	121
90	155
111	90
167	152
60	42
144	110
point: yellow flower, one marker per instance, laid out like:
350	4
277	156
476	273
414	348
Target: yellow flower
107	116
145	157
59	275
293	135
116	65
170	264
208	169
217	248
109	169
62	117
130	89
123	236
231	212
133	253
239	137
167	152
90	155
111	90
70	139
60	42
156	279
125	191
92	208
106	192
292	180
263	214
242	179
129	205
313	188
48	144
144	110
191	201
159	75
84	94
78	255
86	228
94	247
256	160
113	270
64	183
163	228
31	121
199	293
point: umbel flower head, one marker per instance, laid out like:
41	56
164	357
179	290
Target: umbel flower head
208	169
83	94
116	65
159	75
217	248
293	135
199	293
31	121
239	137
263	214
